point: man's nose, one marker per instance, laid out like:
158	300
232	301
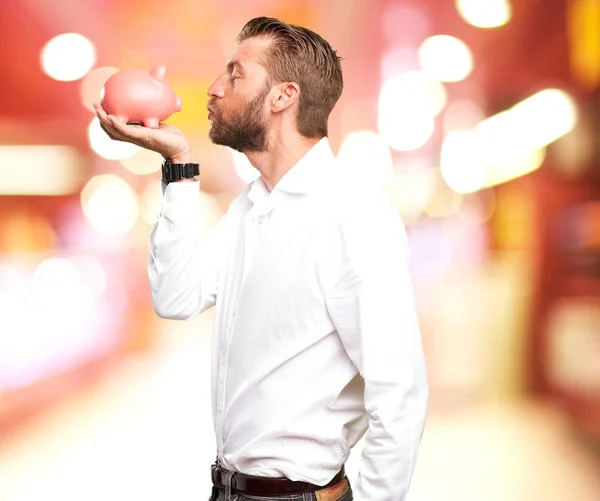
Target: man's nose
216	89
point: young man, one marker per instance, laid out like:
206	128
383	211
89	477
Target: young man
316	339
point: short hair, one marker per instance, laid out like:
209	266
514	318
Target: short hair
300	55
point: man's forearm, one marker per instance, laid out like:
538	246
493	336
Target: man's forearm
182	266
391	444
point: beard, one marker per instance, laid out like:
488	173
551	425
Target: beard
244	133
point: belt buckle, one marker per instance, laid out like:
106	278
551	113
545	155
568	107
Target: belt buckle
215	473
218	473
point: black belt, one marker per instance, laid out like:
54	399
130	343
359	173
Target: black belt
267	486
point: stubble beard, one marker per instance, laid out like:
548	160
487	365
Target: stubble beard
245	133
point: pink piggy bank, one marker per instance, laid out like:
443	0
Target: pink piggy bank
140	96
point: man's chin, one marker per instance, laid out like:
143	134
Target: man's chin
225	137
214	136
221	141
216	139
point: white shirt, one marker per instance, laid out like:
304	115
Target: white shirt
316	337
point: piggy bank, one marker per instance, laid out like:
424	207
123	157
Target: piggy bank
140	96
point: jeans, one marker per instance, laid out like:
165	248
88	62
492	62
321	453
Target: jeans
219	495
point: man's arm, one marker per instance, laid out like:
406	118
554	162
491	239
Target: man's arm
183	268
370	299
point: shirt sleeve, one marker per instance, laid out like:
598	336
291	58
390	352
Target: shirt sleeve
182	266
369	296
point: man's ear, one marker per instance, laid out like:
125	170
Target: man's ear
288	93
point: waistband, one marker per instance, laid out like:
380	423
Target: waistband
265	486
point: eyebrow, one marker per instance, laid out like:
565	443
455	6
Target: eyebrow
236	64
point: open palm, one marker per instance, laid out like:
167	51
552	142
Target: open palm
167	140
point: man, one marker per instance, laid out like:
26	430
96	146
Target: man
316	340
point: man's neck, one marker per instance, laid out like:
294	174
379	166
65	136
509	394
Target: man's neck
280	157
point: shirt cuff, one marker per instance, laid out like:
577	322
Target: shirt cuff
180	200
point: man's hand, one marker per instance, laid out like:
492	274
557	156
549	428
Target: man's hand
166	140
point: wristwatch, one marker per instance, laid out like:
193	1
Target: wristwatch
174	172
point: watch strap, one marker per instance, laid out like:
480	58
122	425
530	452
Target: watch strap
174	172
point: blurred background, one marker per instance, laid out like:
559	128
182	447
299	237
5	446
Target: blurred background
481	118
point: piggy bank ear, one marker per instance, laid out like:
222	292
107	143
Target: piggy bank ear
158	73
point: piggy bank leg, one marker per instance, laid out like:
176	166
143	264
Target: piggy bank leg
122	119
152	123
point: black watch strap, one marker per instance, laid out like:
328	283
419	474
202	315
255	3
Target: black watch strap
174	172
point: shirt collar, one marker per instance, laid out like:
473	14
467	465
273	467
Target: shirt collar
301	176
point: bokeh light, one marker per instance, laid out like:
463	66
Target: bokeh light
443	202
405	132
14	291
574	152
446	58
91	85
414	92
408	102
477	208
13	286
529	125
64	311
503	170
58	291
110	204
509	144
485	13
410	188
143	162
364	153
68	57
106	147
92	273
461	115
462	162
51	169
54	274
545	116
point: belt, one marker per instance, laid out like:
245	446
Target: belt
267	486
